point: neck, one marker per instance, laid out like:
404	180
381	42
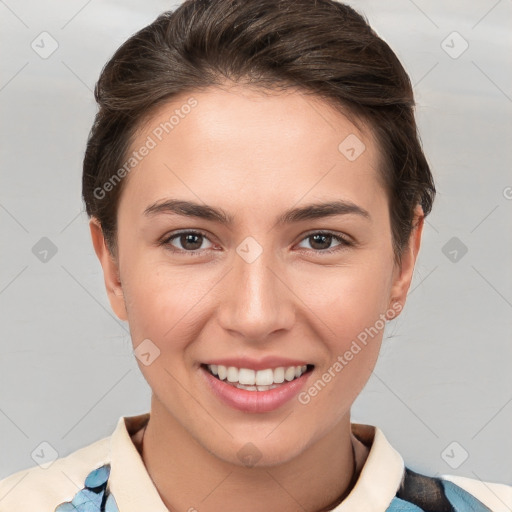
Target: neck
189	477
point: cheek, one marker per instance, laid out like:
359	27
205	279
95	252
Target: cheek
348	298
163	304
350	303
350	306
165	308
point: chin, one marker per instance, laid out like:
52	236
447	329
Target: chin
262	450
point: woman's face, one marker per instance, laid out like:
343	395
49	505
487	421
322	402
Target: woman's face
278	254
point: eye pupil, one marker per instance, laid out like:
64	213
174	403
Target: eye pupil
322	239
189	238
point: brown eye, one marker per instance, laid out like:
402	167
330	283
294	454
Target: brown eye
187	241
321	242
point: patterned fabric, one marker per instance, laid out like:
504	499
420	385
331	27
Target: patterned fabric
94	497
417	493
420	493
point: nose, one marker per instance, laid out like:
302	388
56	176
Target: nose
256	301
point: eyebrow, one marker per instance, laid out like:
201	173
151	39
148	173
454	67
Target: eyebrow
307	212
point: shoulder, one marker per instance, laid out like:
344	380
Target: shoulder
44	487
449	493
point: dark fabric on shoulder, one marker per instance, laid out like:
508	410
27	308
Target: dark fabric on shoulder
426	492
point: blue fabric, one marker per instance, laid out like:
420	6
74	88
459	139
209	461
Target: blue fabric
461	500
94	497
98	477
398	505
111	505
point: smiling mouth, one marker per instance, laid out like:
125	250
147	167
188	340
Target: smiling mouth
257	380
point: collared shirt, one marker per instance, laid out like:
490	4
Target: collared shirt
109	475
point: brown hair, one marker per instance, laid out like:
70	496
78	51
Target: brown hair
320	46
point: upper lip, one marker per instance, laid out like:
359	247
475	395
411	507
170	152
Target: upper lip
257	364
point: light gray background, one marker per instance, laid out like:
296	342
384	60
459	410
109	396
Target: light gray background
67	372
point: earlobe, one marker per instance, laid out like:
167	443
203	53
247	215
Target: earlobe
110	270
404	271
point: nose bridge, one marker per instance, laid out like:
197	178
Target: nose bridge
256	301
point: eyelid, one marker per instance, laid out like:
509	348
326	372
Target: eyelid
195	231
336	234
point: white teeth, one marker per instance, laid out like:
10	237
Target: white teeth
264	377
222	371
232	374
246	376
256	388
248	388
289	373
261	380
279	375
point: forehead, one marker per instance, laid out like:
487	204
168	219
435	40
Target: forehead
252	144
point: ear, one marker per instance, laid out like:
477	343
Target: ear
404	270
110	270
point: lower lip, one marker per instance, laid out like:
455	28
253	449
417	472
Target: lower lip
255	401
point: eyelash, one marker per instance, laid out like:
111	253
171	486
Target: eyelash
343	242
